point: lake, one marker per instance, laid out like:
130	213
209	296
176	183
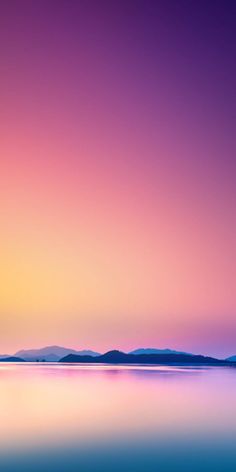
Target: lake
117	418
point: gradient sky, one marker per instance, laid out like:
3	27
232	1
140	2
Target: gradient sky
117	174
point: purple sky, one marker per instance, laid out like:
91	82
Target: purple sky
118	174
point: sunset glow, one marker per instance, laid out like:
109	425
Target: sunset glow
117	177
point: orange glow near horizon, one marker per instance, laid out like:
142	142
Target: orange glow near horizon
87	261
117	188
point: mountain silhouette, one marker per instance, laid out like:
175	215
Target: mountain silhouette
149	350
11	359
231	359
51	353
3	356
137	356
118	357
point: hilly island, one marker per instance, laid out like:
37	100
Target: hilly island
118	357
54	354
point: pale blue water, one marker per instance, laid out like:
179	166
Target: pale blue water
103	418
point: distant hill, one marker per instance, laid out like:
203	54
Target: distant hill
231	359
156	351
137	356
118	357
11	359
51	353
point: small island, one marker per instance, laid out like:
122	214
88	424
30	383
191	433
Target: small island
118	357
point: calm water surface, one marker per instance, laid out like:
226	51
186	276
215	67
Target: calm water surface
117	418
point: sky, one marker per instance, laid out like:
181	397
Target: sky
117	174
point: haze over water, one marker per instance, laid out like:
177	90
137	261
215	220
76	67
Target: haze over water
100	418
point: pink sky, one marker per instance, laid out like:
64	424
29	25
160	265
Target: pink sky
117	179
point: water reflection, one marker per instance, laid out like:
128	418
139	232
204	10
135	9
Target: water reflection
50	411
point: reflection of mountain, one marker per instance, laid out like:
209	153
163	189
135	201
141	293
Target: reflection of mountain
231	359
156	351
51	353
11	359
117	357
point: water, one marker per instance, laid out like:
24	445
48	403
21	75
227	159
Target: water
117	418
